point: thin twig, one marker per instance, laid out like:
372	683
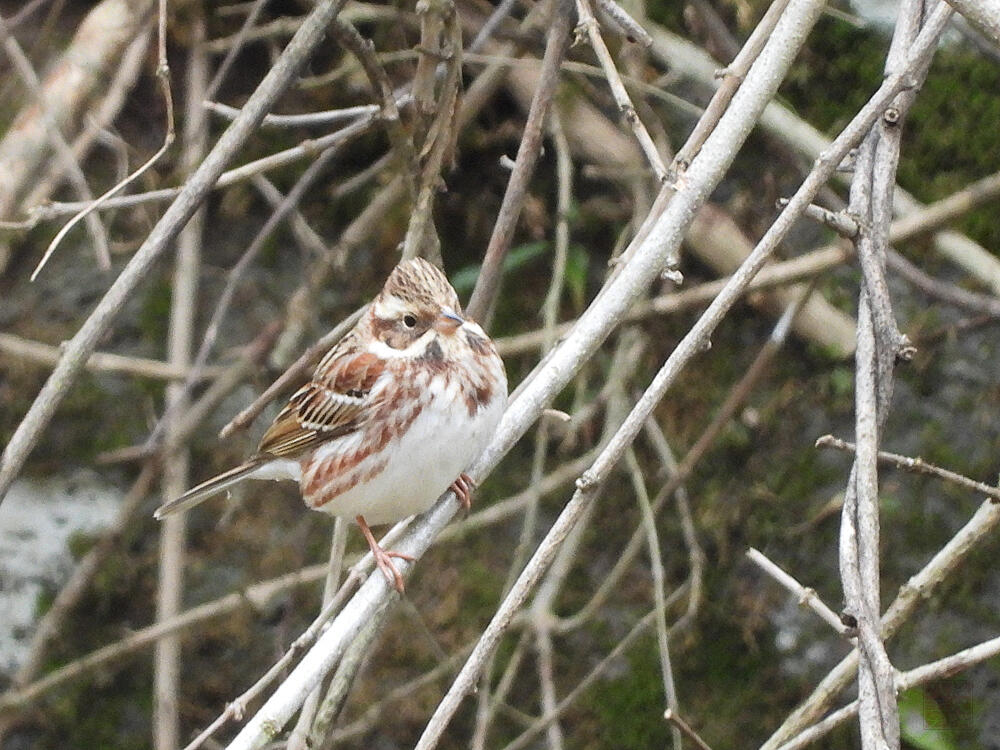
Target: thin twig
984	304
935	670
307	119
805	596
546	680
659	587
625	24
935	215
682	726
696	555
236	45
74	171
183	307
589	25
916	465
79	348
46	354
488	283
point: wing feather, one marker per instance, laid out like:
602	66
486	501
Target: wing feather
334	403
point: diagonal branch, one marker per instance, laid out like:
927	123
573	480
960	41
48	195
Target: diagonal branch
279	77
488	283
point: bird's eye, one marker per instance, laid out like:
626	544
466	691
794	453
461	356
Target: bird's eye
409	321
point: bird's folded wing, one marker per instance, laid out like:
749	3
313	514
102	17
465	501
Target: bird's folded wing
334	403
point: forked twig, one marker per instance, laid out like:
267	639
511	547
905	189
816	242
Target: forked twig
917	466
198	186
805	596
912	678
163	76
488	283
682	726
589	25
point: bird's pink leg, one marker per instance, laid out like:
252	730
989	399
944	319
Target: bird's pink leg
383	558
463	487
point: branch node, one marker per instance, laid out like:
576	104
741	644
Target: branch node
905	350
672	275
849	619
586	481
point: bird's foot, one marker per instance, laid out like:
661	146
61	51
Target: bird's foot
463	487
383	557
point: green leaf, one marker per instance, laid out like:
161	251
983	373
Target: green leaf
465	278
922	723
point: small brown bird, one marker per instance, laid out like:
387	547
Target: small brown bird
392	417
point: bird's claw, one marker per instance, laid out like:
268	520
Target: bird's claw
463	487
383	558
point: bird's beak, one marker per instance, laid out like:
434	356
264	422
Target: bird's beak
448	320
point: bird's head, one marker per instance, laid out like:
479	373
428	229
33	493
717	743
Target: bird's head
416	309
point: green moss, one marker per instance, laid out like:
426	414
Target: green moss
836	73
112	714
946	142
669	13
629	709
154	317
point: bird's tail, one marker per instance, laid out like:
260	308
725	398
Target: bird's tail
209	487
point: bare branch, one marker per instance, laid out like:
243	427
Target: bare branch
589	26
80	347
916	465
805	596
45	354
488	283
912	678
985	14
180	338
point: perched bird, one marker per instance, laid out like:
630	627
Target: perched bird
392	417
